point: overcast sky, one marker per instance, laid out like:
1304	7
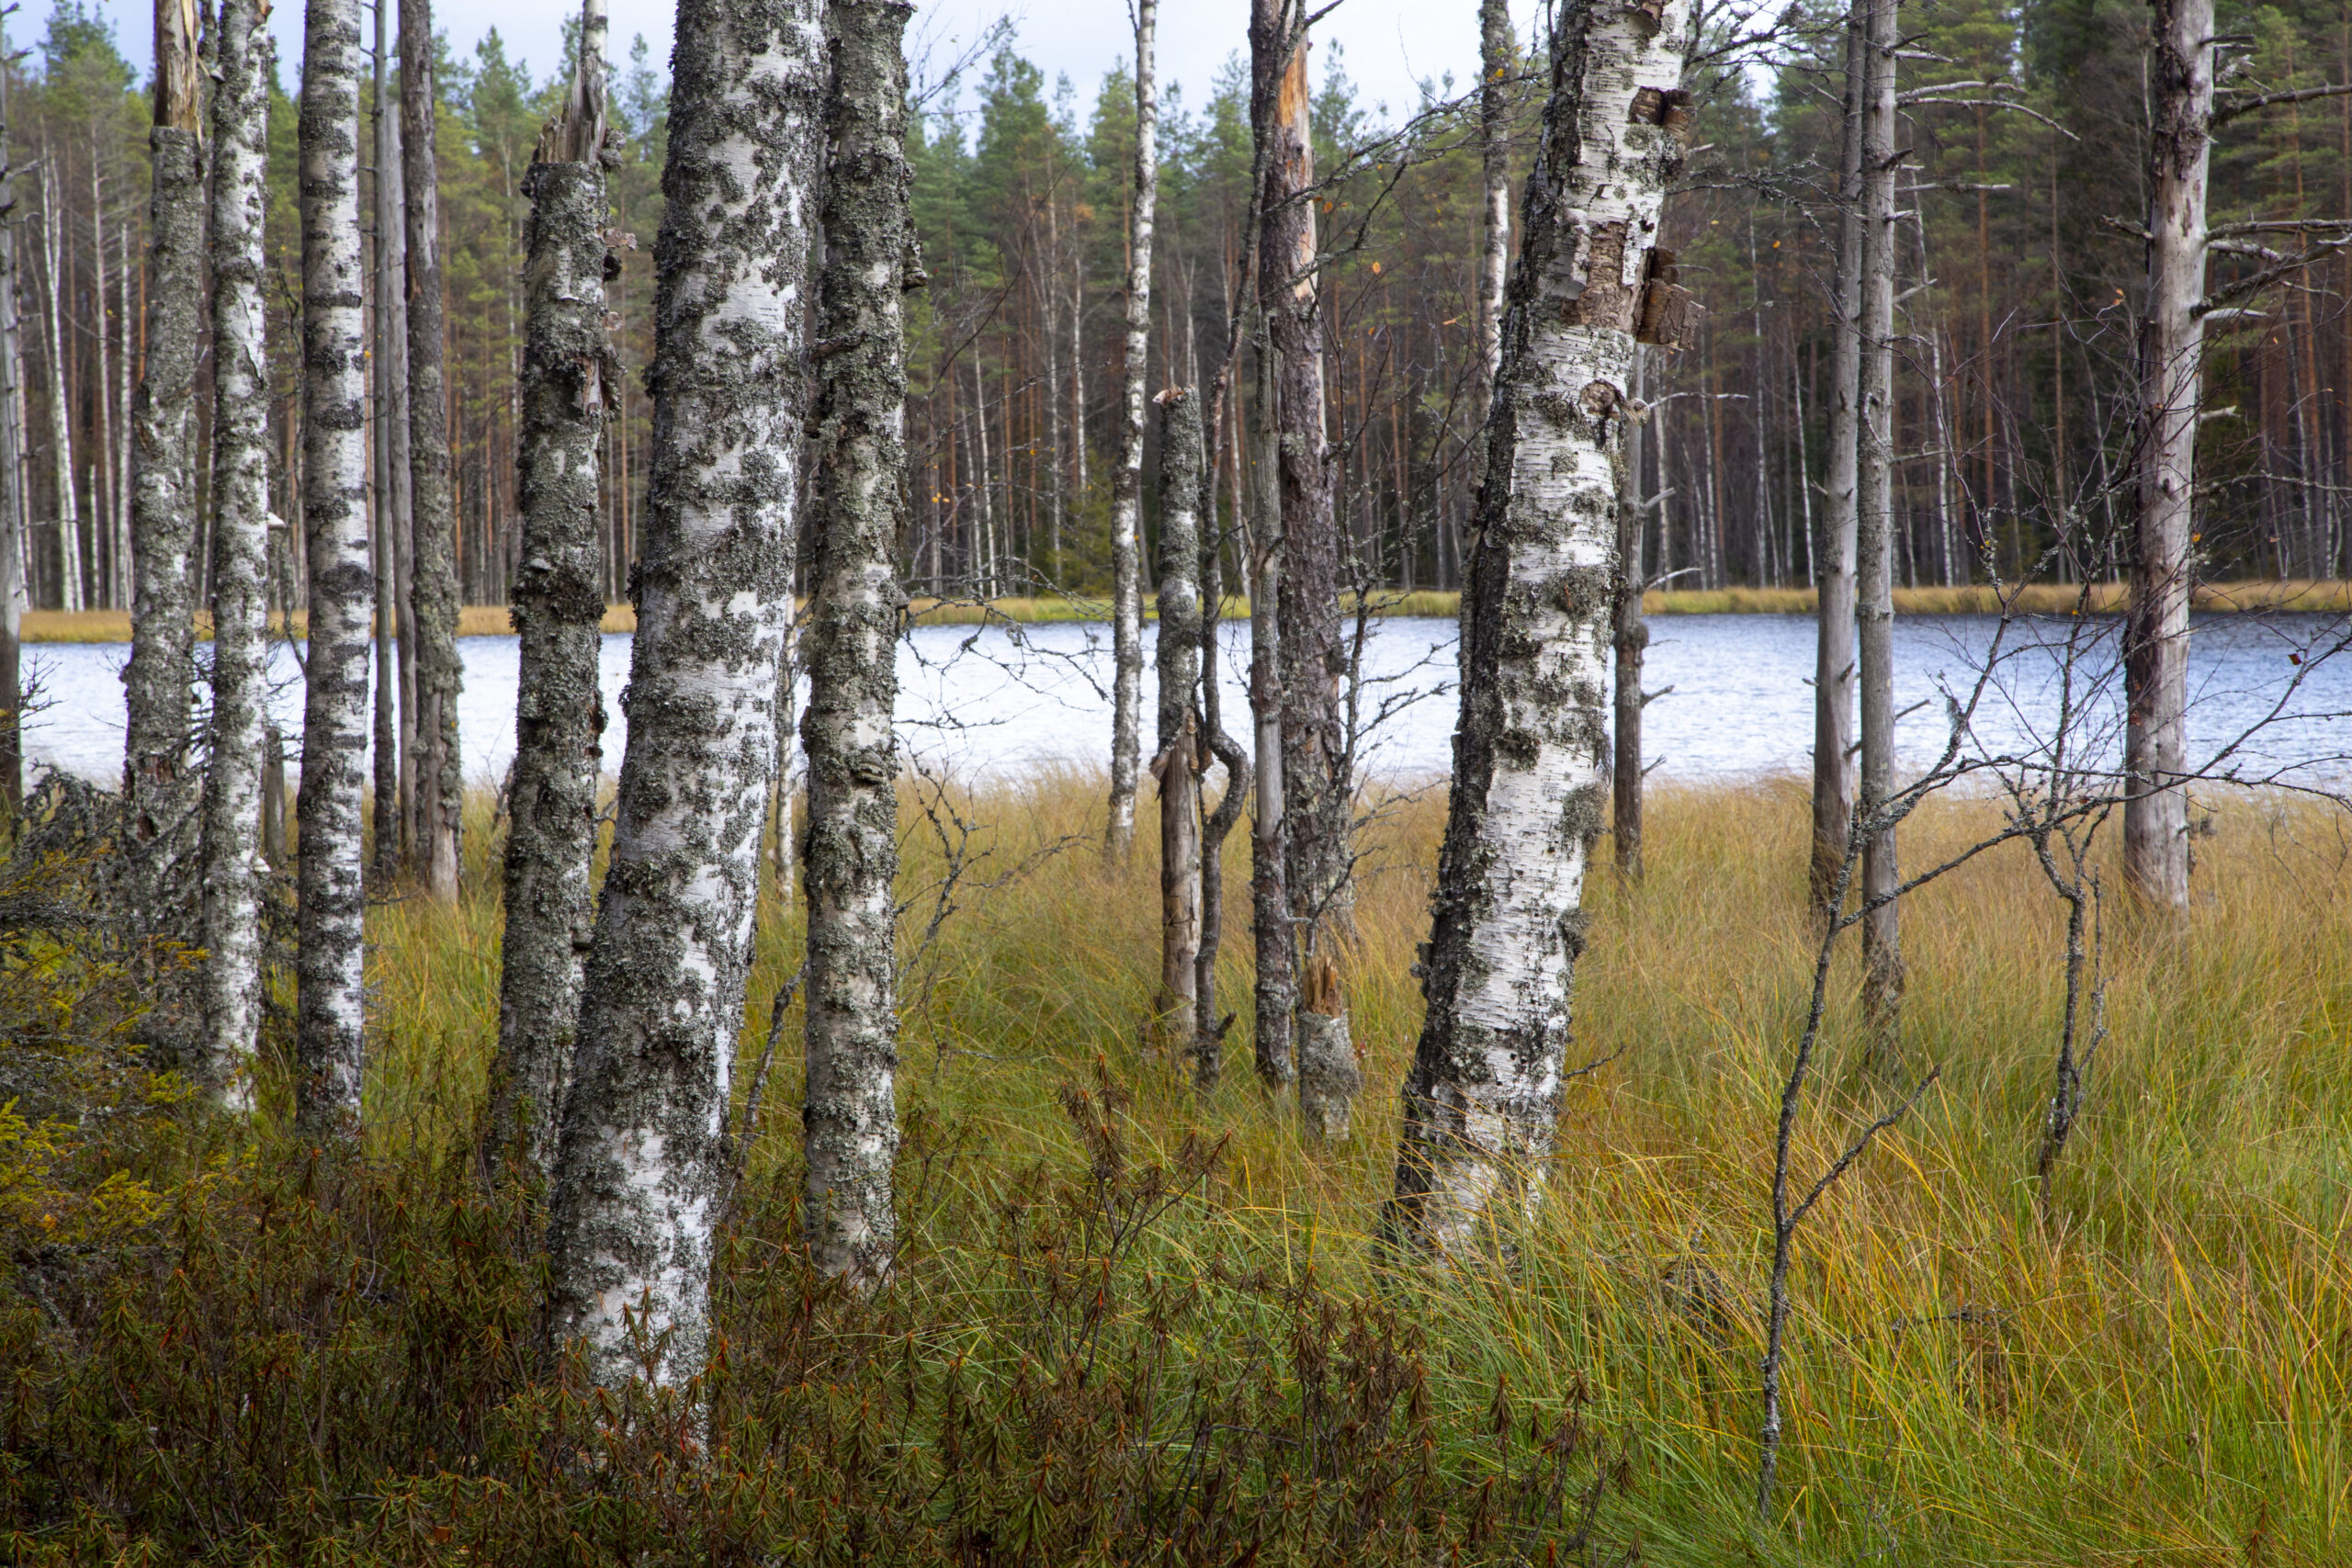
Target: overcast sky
1389	45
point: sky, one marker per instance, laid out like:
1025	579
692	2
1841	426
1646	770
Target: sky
1389	46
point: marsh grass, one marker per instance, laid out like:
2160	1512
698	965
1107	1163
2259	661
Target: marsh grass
2158	1377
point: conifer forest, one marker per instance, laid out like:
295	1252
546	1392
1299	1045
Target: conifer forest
823	802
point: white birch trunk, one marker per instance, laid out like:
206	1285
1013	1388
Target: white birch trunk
1180	749
15	489
383	525
1531	748
68	518
1834	666
1126	481
637	1188
232	785
1874	534
331	1008
849	1117
2172	349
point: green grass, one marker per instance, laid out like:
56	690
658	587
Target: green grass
2159	1378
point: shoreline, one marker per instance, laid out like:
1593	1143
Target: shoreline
2322	597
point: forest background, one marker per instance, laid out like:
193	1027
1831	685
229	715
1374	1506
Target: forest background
2020	270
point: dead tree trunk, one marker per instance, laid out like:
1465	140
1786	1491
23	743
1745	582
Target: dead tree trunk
392	432
637	1187
1833	692
233	874
558	602
329	970
1177	763
1275	991
1874	534
2172	348
432	608
1209	1025
1126	481
1629	638
1319	796
1531	747
160	789
15	490
850	1116
380	289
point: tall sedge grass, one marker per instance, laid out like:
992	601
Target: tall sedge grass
2159	1376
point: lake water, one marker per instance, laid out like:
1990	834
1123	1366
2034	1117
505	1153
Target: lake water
996	702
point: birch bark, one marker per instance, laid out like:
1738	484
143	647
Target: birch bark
2172	348
1126	480
1275	990
68	519
558	602
160	789
637	1184
232	784
380	288
330	1005
1495	52
14	489
1874	533
1834	657
1530	748
1177	763
849	1117
432	608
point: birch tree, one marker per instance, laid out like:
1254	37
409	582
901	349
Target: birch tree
65	519
1126	479
380	291
2172	352
558	610
1180	753
1530	749
331	1007
1494	60
160	789
1833	672
637	1184
432	611
231	849
849	1117
15	487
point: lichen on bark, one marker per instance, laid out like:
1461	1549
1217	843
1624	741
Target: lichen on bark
636	1186
1530	745
857	510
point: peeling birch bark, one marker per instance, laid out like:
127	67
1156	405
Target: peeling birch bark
233	869
858	511
1530	748
1126	479
331	1010
569	369
1833	652
432	610
636	1197
2172	352
160	789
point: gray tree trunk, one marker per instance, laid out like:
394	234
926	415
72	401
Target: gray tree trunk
1629	638
1530	749
15	490
1126	480
1496	48
330	1010
1209	1026
569	371
1276	987
433	610
382	287
636	1196
233	874
1316	791
393	427
68	522
1875	531
849	1117
1833	691
160	788
2172	349
1179	743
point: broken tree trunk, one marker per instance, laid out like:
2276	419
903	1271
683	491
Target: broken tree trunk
1530	749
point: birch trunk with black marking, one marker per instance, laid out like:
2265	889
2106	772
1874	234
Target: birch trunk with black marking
1179	749
558	599
1629	637
392	431
1495	52
15	490
2171	350
1126	479
439	772
330	1009
858	510
1834	657
1530	748
1318	794
1874	535
636	1194
232	844
160	787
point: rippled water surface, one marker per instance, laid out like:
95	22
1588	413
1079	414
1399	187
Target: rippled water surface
992	702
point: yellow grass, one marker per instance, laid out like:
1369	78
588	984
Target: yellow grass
2161	1378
